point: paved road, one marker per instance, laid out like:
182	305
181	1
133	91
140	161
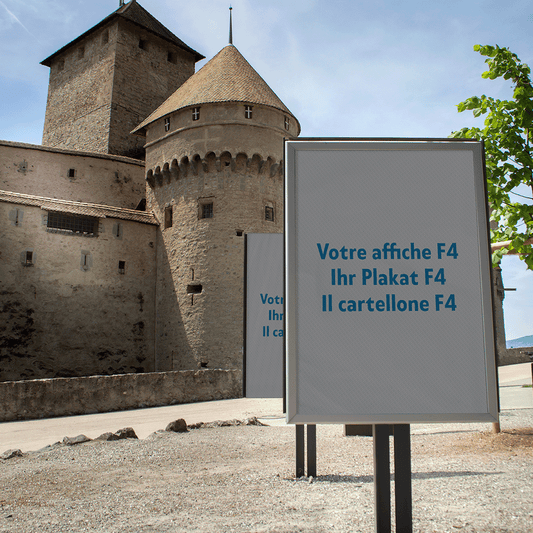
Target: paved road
29	435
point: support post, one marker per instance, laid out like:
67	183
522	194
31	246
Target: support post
382	478
311	450
402	478
300	442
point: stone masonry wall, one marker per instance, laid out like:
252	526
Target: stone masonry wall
78	109
104	86
143	79
71	311
98	179
45	398
201	260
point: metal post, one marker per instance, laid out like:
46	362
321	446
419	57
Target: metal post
402	478
311	450
300	460
382	503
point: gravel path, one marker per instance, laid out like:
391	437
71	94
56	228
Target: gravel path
241	479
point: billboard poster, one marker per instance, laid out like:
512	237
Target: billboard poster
388	284
264	315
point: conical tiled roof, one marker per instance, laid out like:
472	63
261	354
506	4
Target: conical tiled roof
228	77
135	13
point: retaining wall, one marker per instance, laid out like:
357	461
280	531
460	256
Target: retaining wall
513	356
46	398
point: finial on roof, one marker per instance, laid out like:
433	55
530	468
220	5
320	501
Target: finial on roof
230	27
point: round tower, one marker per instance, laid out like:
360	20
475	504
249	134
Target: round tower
214	173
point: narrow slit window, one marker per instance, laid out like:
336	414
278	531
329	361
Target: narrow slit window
239	233
196	113
269	213
247	111
29	257
122	267
172	57
142	44
167	123
71	172
85	260
287	123
168	217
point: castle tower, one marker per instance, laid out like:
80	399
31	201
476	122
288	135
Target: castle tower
214	173
106	81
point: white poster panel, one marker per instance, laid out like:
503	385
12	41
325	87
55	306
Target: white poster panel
264	315
389	304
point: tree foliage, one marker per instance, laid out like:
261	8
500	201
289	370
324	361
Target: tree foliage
509	163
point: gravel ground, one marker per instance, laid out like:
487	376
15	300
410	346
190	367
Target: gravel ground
241	479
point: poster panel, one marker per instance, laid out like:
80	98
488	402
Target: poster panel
264	315
388	284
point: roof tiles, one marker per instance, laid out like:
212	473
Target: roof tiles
228	77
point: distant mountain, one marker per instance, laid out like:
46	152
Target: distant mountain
522	342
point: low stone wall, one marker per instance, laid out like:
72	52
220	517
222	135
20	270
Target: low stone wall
46	398
513	356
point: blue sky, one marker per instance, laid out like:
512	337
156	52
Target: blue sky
344	68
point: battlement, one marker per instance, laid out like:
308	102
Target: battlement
241	163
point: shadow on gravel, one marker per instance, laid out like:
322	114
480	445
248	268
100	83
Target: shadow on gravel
370	479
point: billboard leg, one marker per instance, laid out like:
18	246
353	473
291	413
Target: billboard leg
300	438
311	450
382	502
402	478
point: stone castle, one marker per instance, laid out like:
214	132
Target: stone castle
122	236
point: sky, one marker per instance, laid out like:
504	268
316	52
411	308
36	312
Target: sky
344	68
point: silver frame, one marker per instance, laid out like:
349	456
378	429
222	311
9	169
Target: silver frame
291	267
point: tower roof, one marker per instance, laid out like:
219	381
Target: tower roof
228	77
135	13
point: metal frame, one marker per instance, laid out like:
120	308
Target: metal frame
291	297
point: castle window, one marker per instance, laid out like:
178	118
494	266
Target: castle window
168	217
28	260
167	123
196	113
18	217
117	230
269	213
194	289
143	45
247	111
207	210
67	223
85	260
71	173
239	232
81	52
172	57
122	267
287	123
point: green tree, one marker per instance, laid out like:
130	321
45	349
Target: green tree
506	135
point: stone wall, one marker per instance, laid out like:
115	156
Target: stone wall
513	356
106	84
143	79
63	174
78	109
201	260
71	310
45	398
